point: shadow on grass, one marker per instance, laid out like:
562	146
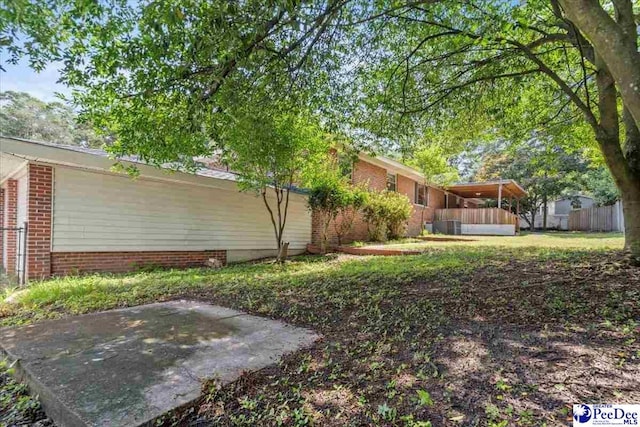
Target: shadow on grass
576	234
514	345
495	336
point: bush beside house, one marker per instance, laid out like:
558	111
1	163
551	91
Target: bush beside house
386	214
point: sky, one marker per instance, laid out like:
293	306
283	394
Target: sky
22	78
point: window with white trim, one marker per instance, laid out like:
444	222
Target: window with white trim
421	194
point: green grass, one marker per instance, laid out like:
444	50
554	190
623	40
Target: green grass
17	407
74	295
458	333
252	283
555	240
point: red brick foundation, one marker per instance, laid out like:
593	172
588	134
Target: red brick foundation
66	263
40	191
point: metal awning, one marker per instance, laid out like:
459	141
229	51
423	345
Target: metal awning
504	189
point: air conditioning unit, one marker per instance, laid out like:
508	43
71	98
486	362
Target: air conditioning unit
450	226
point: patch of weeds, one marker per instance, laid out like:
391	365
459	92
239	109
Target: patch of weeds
387	413
424	398
17	407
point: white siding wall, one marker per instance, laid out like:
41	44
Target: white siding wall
104	212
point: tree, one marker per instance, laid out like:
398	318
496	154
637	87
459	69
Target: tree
432	161
160	75
162	71
24	116
597	181
546	171
513	70
292	148
328	195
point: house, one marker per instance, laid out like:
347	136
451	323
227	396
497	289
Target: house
431	203
81	216
64	210
558	211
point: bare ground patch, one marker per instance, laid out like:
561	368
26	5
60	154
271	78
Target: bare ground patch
511	342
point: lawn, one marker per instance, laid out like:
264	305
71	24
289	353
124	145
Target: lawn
556	240
493	332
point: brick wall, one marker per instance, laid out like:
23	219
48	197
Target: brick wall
10	220
436	198
363	172
39	198
407	186
374	176
65	263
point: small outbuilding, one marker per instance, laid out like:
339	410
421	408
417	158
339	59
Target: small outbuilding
65	210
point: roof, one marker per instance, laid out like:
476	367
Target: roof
468	190
488	189
206	172
93	158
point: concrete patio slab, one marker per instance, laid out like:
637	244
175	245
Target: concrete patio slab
126	367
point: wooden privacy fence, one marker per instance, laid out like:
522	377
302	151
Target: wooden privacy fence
602	218
477	216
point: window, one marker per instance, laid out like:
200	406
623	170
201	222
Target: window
421	194
391	182
346	170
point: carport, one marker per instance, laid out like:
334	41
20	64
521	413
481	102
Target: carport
489	221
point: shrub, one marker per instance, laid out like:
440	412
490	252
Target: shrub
374	214
327	196
398	213
353	200
386	214
331	195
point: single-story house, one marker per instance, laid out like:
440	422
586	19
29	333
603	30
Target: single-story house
81	216
64	210
461	201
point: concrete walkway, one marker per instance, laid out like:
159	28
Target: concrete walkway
127	367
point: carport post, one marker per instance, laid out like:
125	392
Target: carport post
518	214
500	195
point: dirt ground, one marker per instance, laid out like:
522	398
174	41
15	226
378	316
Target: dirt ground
461	336
510	343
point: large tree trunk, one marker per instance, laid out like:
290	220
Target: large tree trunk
618	63
544	213
631	210
533	220
614	42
